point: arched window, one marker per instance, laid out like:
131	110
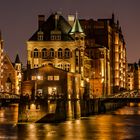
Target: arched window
44	53
51	53
35	53
67	53
60	53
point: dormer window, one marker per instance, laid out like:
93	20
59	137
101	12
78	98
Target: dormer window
56	35
40	36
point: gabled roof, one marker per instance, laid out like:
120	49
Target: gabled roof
50	25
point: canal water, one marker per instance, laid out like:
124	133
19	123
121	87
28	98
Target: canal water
122	124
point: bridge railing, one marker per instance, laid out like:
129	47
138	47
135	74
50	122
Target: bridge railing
6	95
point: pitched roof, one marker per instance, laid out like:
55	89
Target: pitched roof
17	60
50	25
76	27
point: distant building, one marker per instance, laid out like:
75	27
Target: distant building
131	77
11	80
134	76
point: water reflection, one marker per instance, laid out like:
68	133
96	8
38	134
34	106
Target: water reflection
119	125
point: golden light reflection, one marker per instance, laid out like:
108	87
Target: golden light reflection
69	110
132	104
33	106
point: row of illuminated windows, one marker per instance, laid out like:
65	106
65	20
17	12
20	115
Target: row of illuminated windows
65	67
49	78
40	36
51	53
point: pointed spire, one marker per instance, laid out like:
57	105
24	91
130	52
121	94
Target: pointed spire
17	60
76	28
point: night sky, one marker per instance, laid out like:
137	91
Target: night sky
18	20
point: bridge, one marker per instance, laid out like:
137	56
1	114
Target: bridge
7	98
127	96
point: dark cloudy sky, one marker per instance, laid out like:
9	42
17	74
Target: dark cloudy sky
18	20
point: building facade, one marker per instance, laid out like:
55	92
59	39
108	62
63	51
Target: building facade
134	76
131	70
51	82
11	80
58	43
94	49
1	63
108	33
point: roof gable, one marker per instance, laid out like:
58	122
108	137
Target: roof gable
50	25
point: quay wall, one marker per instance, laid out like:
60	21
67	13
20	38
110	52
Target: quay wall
60	110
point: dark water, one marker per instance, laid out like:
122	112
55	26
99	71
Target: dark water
123	124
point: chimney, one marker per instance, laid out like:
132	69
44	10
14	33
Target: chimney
71	19
41	20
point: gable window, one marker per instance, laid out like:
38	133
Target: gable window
35	53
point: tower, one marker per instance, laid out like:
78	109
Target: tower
18	75
79	36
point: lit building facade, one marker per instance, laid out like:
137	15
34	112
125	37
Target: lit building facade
134	76
130	76
51	82
107	33
94	49
59	43
1	63
11	80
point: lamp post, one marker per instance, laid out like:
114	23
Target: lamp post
36	80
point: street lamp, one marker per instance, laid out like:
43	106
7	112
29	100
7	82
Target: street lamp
36	80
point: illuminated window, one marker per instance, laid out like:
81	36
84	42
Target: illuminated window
52	53
77	60
60	66
35	53
50	78
52	90
56	78
44	53
40	36
67	67
60	53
